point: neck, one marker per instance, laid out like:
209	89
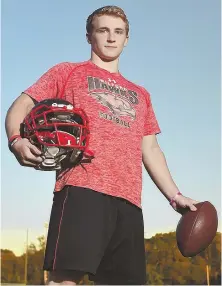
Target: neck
111	66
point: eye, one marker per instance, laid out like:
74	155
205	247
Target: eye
119	32
101	30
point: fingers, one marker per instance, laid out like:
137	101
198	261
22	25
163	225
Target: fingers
34	150
27	154
183	204
174	205
192	205
28	164
29	160
192	208
33	159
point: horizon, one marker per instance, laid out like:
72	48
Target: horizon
18	246
18	250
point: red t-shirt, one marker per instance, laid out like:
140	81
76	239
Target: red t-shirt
120	113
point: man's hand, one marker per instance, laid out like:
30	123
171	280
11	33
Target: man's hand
26	153
181	204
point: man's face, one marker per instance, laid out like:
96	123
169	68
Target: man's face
108	37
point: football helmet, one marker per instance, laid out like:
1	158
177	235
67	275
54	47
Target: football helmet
60	131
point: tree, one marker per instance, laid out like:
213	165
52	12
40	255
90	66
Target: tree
165	263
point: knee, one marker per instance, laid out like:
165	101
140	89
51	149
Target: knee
68	283
61	283
65	277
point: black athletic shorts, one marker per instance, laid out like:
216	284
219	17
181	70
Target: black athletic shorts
101	235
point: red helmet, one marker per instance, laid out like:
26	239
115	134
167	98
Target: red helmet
59	130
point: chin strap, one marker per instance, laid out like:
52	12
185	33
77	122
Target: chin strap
53	157
89	153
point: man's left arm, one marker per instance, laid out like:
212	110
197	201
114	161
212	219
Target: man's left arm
155	163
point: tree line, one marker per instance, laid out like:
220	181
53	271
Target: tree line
165	264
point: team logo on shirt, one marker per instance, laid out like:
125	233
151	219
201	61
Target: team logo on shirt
117	99
118	105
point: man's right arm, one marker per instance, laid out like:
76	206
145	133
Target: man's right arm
26	153
16	114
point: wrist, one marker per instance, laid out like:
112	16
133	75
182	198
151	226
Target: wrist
172	200
13	140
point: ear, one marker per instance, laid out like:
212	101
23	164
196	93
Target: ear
126	41
88	38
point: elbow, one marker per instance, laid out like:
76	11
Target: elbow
151	151
152	157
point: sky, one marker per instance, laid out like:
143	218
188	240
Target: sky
173	51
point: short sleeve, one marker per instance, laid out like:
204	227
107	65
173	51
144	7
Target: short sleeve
151	125
50	84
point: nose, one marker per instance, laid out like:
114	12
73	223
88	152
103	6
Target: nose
111	37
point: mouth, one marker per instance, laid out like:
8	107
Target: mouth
110	47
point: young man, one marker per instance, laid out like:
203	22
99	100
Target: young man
96	223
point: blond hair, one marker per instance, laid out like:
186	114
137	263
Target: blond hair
107	10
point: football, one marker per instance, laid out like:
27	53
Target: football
196	229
